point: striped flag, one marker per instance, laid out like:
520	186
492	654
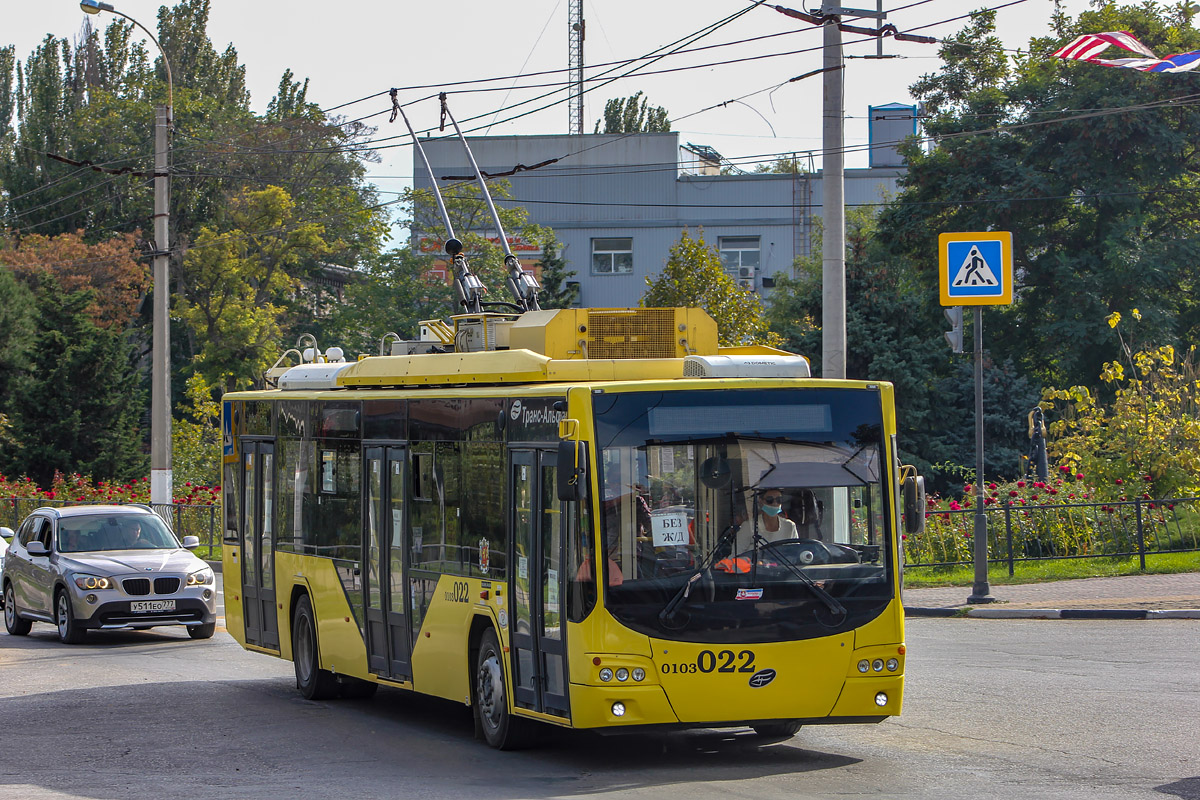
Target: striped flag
1090	45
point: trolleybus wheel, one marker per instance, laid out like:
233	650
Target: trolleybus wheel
69	631
13	623
312	681
778	730
500	728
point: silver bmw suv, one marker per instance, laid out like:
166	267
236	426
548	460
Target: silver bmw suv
100	567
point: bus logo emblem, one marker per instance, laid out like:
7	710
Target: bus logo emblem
515	411
761	678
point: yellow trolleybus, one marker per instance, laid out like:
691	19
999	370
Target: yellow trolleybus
588	518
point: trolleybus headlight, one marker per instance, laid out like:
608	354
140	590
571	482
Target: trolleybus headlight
606	674
94	582
639	674
622	674
893	665
877	665
201	577
881	699
864	665
618	709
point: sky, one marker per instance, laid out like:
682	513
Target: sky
357	48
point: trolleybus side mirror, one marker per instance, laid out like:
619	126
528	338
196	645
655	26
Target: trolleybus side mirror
914	504
572	455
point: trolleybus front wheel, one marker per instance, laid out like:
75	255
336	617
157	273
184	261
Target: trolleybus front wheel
500	728
312	681
778	730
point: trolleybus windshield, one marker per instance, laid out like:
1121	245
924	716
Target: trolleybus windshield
738	516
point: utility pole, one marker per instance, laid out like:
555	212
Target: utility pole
833	203
161	480
575	64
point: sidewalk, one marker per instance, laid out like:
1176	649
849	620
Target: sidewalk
1126	597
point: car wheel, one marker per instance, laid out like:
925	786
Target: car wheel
500	728
12	620
312	681
202	631
69	631
778	730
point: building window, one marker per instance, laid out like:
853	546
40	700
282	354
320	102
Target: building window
739	255
612	256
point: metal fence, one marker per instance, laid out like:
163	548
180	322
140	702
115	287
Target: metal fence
186	520
1121	529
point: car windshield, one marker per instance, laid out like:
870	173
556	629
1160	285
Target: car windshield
95	532
745	515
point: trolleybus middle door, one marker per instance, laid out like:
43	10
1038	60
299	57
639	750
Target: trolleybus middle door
539	651
258	543
388	642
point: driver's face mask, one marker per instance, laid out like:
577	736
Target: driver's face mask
772	506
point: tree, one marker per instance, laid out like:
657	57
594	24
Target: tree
1095	201
111	267
627	115
77	405
196	437
693	277
557	291
16	329
394	293
237	282
785	165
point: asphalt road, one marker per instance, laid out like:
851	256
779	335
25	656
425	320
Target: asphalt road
994	709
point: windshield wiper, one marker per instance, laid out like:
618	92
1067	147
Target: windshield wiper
837	609
668	611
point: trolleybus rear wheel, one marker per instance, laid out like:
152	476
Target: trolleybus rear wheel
312	681
500	728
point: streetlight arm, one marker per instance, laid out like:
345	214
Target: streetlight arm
95	7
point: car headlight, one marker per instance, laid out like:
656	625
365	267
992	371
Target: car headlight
202	577
93	582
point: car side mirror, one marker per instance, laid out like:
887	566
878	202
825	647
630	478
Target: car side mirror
914	504
191	542
36	548
6	533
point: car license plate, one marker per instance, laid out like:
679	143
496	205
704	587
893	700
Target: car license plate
151	605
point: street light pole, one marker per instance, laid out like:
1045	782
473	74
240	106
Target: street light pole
833	209
161	488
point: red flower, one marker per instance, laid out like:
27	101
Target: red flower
1033	497
1012	493
1063	468
1119	481
1079	476
903	536
1020	484
991	487
1052	491
1145	496
967	489
1147	477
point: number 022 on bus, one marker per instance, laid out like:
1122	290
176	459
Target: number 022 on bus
589	518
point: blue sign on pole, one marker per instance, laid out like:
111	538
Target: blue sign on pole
975	269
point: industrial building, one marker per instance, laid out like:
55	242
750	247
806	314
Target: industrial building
618	202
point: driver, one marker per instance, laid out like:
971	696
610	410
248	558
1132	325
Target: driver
772	524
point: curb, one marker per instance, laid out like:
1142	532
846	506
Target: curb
1052	613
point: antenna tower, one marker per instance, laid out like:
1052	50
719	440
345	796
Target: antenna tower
575	63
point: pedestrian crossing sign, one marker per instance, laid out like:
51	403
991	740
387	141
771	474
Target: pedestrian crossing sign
975	269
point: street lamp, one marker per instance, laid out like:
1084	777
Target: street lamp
161	490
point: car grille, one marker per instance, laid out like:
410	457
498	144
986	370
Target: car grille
141	586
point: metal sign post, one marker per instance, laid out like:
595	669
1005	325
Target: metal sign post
975	269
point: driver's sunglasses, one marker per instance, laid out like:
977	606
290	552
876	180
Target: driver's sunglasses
773	499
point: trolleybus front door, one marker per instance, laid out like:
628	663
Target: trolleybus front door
388	643
258	544
539	661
